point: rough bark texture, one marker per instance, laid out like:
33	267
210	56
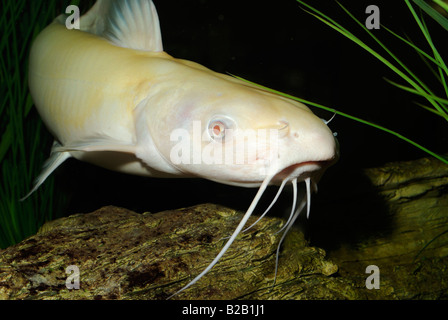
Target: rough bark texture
126	255
410	244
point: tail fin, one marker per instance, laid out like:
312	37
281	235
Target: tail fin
55	160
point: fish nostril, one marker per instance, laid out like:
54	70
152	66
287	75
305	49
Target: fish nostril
284	124
284	128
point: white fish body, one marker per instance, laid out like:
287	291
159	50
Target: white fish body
112	97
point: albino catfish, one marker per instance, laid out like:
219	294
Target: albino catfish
111	96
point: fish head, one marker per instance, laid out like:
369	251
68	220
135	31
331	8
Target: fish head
239	135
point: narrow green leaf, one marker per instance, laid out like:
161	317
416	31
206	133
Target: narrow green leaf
443	115
433	13
426	33
416	48
441	4
411	90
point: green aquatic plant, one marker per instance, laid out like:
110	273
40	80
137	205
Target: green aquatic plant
24	142
414	84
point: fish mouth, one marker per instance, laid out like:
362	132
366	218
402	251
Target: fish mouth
301	171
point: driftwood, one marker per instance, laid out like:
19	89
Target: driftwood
409	240
124	255
121	254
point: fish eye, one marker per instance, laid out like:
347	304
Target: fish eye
219	126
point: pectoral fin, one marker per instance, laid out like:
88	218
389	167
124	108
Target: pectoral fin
96	144
61	153
55	160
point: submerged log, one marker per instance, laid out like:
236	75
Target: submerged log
124	255
400	225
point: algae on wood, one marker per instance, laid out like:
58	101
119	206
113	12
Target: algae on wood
409	242
125	255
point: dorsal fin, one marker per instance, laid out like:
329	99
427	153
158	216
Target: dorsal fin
94	21
134	24
130	24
